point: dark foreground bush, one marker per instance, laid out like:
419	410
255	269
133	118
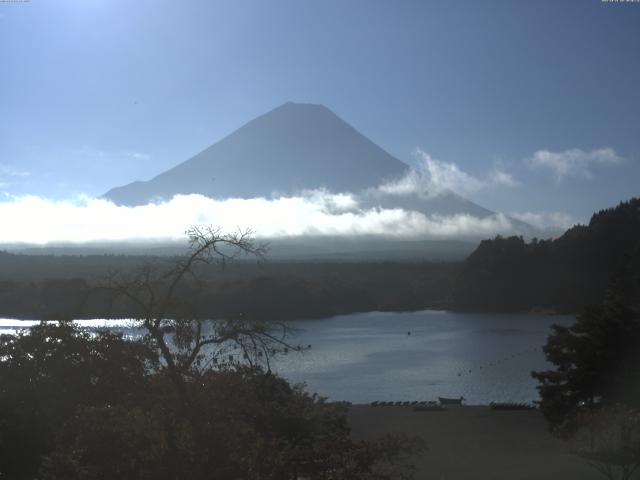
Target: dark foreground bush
80	406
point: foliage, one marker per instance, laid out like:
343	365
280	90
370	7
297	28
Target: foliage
244	424
81	406
563	274
47	373
597	361
593	395
167	405
62	287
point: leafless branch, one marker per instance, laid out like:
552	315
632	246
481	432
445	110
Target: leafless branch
184	341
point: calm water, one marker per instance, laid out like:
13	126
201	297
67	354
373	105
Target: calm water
371	356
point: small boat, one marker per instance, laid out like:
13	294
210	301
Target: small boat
451	401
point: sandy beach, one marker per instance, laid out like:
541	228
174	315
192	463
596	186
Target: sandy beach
475	442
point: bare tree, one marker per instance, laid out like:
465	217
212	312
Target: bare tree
188	344
611	441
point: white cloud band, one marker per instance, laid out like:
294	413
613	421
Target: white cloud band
31	219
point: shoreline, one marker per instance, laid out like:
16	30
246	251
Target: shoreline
542	312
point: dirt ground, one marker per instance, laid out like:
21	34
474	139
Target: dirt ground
469	442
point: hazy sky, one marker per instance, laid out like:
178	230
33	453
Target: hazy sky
546	94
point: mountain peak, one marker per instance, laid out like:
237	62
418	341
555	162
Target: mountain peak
291	104
293	111
294	147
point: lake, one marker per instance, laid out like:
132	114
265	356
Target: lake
421	355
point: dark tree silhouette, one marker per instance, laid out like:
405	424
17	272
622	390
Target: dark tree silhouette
597	362
46	373
563	274
184	341
593	395
191	398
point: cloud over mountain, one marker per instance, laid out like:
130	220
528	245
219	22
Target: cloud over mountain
297	171
32	219
433	177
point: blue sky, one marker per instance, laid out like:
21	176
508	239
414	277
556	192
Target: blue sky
98	93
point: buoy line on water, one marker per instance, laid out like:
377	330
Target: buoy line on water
495	363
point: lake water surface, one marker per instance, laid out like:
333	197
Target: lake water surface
413	356
371	356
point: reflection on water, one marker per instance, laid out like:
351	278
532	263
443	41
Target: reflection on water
410	356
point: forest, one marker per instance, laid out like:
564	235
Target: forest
52	287
555	275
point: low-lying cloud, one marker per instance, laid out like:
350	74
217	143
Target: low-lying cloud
35	220
573	162
546	221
